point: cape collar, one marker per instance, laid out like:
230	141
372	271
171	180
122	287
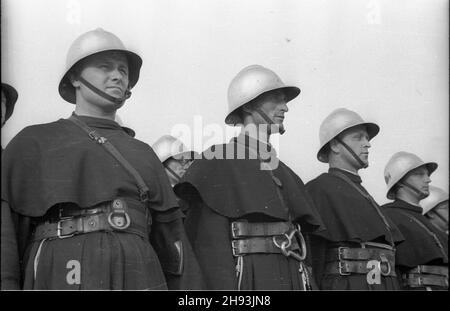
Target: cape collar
353	177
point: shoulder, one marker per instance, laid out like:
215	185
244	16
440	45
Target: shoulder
36	133
323	181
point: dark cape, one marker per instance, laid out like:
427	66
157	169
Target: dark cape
348	217
224	189
57	162
237	187
419	247
54	163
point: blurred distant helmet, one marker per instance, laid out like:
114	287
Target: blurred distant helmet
90	43
168	146
335	123
128	130
437	196
11	96
400	164
251	82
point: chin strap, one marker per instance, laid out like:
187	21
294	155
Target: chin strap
421	194
172	172
113	99
281	129
358	159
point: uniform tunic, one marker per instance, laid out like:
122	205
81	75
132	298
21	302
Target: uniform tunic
225	189
349	218
57	163
419	247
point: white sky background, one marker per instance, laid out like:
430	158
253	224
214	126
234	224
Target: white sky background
387	60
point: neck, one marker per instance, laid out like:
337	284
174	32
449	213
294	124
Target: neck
407	196
337	163
83	109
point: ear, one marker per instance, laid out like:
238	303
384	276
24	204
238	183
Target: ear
333	144
74	80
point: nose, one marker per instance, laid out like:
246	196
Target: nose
116	74
367	142
283	107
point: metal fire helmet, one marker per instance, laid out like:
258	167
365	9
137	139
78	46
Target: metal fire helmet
437	196
11	96
335	123
168	146
90	43
399	165
251	82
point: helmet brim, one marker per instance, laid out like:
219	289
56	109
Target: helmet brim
372	130
67	91
290	92
431	167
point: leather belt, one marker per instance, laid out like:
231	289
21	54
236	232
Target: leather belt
347	267
425	275
423	269
268	237
425	280
258	245
348	260
111	216
350	253
250	229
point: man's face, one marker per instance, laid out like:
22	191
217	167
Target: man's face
179	166
419	178
3	108
108	72
273	104
358	140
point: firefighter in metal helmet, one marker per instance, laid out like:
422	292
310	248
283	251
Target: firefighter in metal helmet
357	251
94	206
435	208
175	157
248	91
265	203
422	259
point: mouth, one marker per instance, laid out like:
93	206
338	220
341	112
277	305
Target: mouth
115	89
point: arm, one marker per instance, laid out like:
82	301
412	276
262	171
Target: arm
174	251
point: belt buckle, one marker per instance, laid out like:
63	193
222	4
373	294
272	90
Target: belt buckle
340	269
234	229
234	248
59	228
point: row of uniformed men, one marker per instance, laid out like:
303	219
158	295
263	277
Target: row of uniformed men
87	206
